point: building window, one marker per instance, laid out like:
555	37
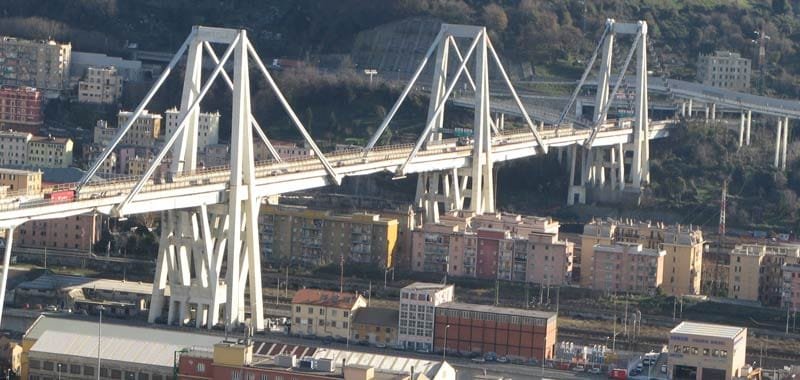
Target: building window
75	369
48	366
35	364
130	375
201	367
88	370
344	325
144	376
116	374
103	372
236	375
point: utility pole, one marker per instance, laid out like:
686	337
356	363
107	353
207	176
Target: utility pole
527	295
341	273
496	291
369	296
286	283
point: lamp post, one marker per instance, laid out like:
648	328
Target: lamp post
175	362
444	349
59	371
371	73
99	334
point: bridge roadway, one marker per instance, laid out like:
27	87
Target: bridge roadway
209	186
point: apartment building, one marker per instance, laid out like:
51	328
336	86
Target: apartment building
101	85
14	148
756	272
683	246
324	313
724	69
375	325
627	267
513	333
293	234
20	107
17	181
49	152
207	127
215	155
791	287
40	64
494	246
286	150
145	130
78	233
418	303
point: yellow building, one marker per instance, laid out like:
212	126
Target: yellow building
755	272
706	351
314	237
29	182
324	313
683	247
49	152
144	132
102	85
375	325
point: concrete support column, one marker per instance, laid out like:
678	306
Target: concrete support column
612	159
690	108
741	129
713	112
6	262
683	109
747	128
600	164
621	153
707	109
778	143
572	155
785	149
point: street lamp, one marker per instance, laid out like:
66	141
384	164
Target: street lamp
371	73
59	371
175	362
444	349
99	334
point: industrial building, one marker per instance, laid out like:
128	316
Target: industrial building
682	245
297	235
702	351
68	348
40	64
418	303
514	333
247	359
73	233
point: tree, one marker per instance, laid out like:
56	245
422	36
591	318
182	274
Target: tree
495	18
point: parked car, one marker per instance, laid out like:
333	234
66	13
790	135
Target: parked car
51	308
502	359
663	368
380	345
595	370
479	360
490	356
579	368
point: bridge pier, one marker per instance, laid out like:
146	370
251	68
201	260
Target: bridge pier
747	128
741	128
778	135
691	108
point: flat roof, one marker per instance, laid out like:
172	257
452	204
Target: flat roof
498	310
707	329
139	345
426	286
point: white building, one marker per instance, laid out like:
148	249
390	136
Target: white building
418	302
706	351
14	147
208	127
724	69
102	85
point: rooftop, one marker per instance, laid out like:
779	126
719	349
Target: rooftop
426	286
629	248
376	316
128	344
325	298
497	310
708	329
62	282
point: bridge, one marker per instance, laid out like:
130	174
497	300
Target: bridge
208	256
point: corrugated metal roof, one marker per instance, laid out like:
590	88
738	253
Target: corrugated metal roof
497	310
707	329
119	342
381	363
135	351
